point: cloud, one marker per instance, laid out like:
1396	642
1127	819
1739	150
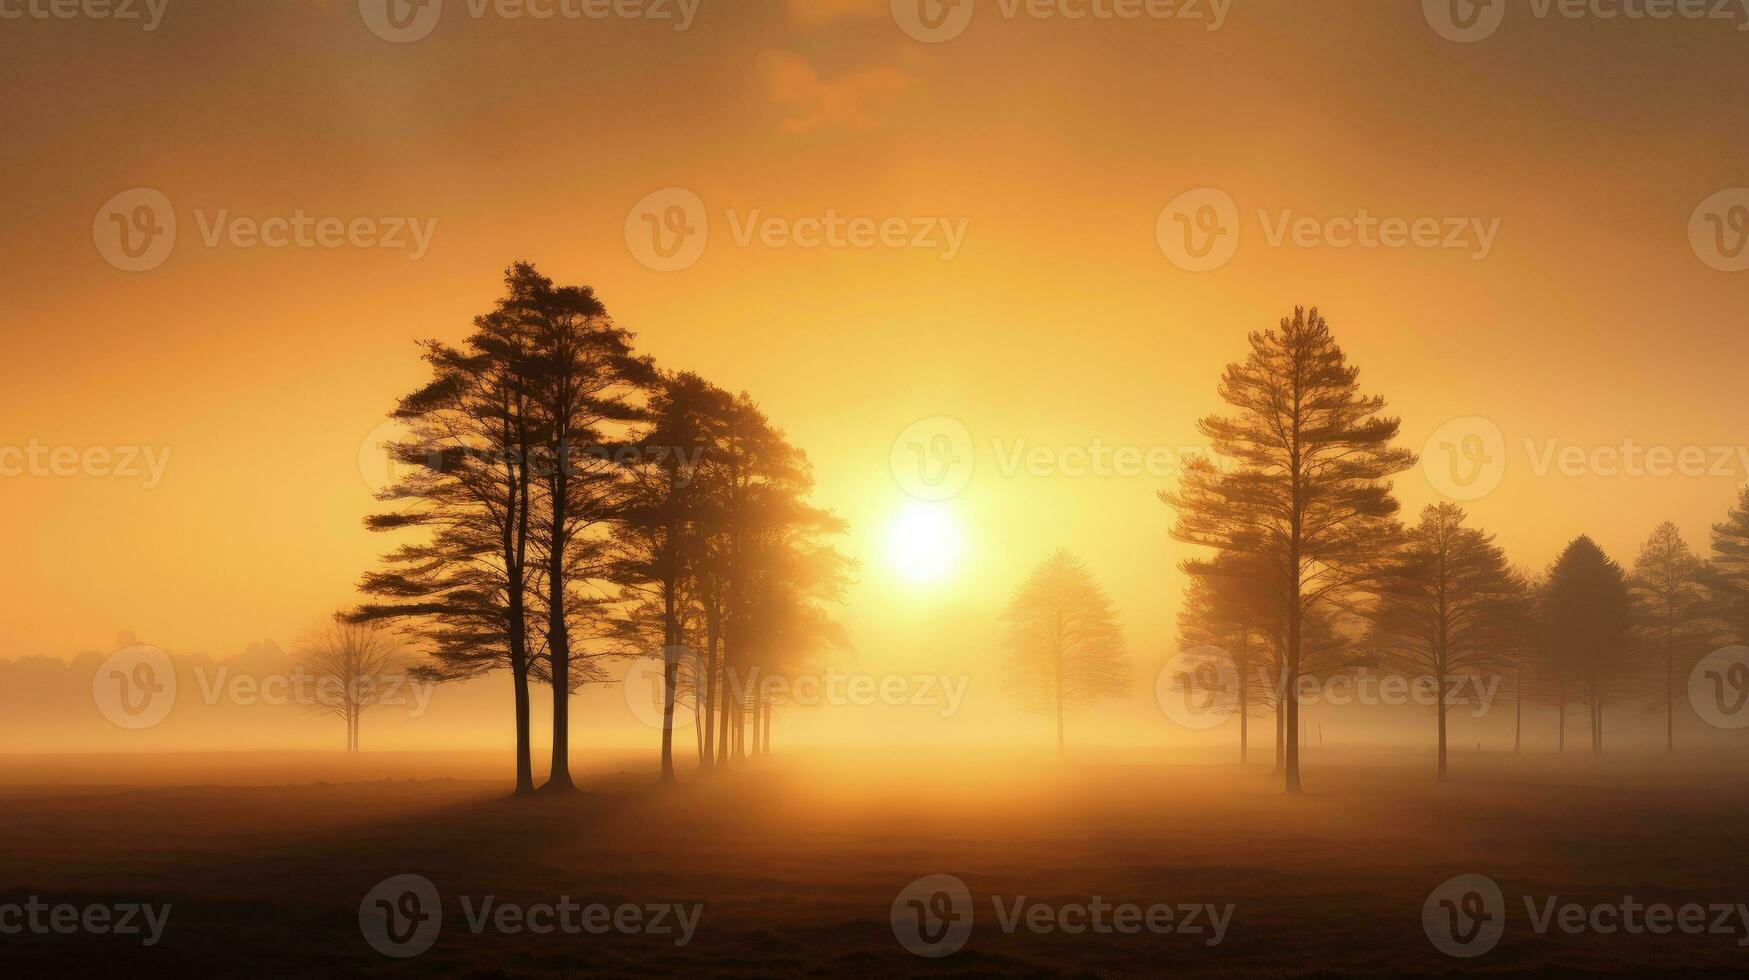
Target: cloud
853	100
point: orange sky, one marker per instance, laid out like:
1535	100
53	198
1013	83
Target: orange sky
1059	321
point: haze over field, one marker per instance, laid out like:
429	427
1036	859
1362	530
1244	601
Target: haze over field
1059	322
873	487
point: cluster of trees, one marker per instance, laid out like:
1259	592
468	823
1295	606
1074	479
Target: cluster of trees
571	504
1310	574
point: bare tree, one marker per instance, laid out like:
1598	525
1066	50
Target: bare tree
357	666
1064	644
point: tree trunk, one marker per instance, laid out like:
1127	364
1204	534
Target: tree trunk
670	664
1439	686
740	729
726	690
1280	743
1244	698
558	635
1561	713
515	548
1669	694
1059	728
709	708
697	729
1244	723
742	721
1518	710
519	689
1292	698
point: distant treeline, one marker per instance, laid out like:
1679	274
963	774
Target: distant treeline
1311	575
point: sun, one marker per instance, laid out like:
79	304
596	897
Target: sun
923	543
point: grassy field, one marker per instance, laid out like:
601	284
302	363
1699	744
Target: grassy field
265	861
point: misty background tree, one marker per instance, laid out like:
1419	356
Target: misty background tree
1670	602
1063	645
357	667
1446	608
1588	629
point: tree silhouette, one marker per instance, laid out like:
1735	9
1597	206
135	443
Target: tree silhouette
1224	616
1447	607
1588	620
584	378
1064	645
782	568
467	482
658	522
354	664
1670	600
1522	647
1727	575
1309	504
1238	624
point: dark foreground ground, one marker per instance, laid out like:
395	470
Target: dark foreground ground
797	866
